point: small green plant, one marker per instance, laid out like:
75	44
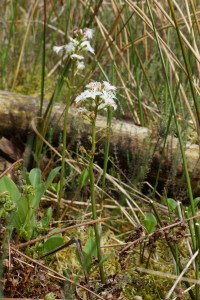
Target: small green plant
50	296
52	242
171	205
25	204
89	250
150	222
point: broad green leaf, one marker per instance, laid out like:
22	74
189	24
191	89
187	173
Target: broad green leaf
171	203
83	179
38	195
51	177
47	217
29	227
7	185
53	241
150	223
90	245
24	219
35	177
89	250
21	213
25	176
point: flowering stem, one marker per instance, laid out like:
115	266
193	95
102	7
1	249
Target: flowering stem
62	176
101	96
47	114
93	201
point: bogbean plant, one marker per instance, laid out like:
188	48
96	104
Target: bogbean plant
96	97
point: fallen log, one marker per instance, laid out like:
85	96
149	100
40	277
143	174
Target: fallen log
135	148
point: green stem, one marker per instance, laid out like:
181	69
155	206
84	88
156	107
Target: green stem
62	177
106	151
38	142
47	114
66	113
43	61
93	201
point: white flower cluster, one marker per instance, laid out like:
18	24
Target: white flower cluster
98	94
77	45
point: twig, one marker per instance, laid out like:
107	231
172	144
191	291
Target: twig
11	167
41	238
163	229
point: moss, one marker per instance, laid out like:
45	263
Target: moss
30	84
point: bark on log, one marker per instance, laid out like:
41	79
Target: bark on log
17	111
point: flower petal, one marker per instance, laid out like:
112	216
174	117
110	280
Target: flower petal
89	33
58	49
85	45
76	56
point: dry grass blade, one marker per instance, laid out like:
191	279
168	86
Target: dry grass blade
150	33
167	275
182	93
195	14
181	275
169	53
193	50
24	42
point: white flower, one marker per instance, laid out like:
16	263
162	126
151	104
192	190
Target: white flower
97	94
58	49
108	98
94	86
84	96
77	46
81	97
107	95
70	47
108	86
110	103
75	42
85	45
89	33
80	65
76	56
